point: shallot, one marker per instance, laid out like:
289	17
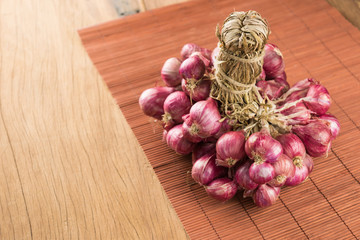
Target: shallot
192	68
281	79
273	61
205	170
301	173
309	163
204	119
333	124
214	54
271	89
152	100
170	72
265	195
222	189
293	147
197	90
205	60
316	137
317	99
248	193
230	148
202	149
187	131
176	105
298	114
226	126
261	173
176	141
188	49
261	147
242	177
283	168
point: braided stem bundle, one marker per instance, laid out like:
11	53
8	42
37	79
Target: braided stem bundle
242	40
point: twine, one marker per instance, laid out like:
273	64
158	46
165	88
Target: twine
238	64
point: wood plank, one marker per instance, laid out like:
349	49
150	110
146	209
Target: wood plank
323	207
349	8
71	167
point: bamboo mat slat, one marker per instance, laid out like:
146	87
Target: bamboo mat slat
316	41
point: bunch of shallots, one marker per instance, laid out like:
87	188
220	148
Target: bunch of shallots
268	150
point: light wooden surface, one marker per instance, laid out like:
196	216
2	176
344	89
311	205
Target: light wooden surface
349	8
71	167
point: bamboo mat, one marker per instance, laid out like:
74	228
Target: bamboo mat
316	41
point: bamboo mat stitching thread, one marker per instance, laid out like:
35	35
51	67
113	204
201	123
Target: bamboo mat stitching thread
307	70
293	217
333	208
337	104
335	155
332	150
307	27
202	209
248	214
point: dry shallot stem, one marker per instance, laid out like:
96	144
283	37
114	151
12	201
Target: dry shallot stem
238	64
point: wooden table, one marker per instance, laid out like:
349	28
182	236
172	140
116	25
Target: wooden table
70	165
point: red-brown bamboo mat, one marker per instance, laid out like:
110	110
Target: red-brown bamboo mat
316	41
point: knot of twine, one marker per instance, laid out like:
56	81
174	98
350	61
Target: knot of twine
241	41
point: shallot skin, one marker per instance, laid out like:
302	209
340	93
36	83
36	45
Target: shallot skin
205	170
262	147
271	89
265	195
199	91
273	61
309	163
242	177
283	168
170	72
192	68
292	145
152	100
301	173
316	137
248	193
204	118
261	173
230	148
318	99
332	122
188	49
188	134
176	105
281	79
205	60
202	149
176	141
214	55
303	118
300	89
225	127
221	189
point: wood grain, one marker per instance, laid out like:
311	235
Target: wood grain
325	47
153	4
349	8
71	167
